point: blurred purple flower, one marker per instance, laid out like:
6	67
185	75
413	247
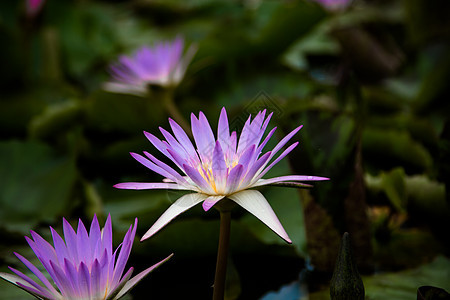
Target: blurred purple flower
163	64
334	4
33	7
218	168
83	267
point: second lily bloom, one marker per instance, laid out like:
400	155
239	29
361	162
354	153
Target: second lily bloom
218	167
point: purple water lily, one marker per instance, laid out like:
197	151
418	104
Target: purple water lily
163	64
83	267
217	168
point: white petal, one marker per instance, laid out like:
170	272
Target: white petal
255	203
178	207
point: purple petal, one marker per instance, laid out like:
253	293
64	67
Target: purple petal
285	140
178	207
223	130
133	281
157	143
255	203
175	174
38	273
28	282
96	275
60	247
183	139
282	155
262	182
107	237
234	179
16	280
153	166
245	136
72	276
203	136
71	241
255	168
195	176
95	237
43	248
210	201
174	144
115	290
219	168
84	281
149	185
124	253
83	245
61	280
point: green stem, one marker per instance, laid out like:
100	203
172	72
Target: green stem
172	110
222	255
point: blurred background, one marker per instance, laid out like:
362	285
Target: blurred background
367	79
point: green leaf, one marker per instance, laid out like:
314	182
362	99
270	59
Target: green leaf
395	146
54	118
35	186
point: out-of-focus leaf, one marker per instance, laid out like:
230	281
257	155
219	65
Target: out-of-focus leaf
392	183
54	118
123	113
386	147
35	185
434	85
427	197
427	20
402	285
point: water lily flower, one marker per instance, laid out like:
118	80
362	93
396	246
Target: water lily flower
163	64
33	7
83	267
218	168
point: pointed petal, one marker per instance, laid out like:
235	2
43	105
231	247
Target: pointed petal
150	185
210	201
84	281
71	241
124	254
152	166
83	245
60	247
183	139
16	280
178	207
107	237
112	293
223	130
30	282
288	178
63	282
94	236
219	168
234	179
178	178
255	203
285	140
38	273
135	280
282	155
195	176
